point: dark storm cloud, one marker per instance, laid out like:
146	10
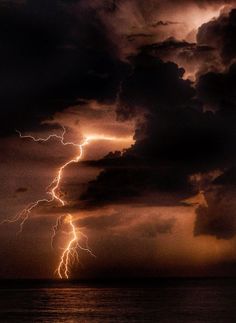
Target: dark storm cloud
55	53
149	86
177	139
218	91
188	55
143	167
133	180
219	218
220	34
50	57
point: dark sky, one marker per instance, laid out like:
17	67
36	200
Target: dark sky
159	79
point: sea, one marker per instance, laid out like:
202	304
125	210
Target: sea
162	300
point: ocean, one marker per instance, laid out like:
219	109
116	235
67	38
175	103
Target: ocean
165	301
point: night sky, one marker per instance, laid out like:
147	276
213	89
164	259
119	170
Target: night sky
158	77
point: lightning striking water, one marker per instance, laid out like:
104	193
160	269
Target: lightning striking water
70	251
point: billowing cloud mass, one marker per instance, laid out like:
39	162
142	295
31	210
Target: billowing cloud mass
218	218
189	128
158	75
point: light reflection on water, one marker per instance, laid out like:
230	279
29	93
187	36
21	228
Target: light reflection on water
179	301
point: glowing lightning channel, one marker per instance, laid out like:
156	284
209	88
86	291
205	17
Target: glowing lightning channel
70	252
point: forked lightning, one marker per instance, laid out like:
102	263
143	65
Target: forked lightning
70	252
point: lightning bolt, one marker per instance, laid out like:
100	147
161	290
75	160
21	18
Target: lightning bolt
70	251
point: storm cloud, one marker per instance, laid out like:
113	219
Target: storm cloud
177	139
51	57
153	83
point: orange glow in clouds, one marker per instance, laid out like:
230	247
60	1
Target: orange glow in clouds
201	17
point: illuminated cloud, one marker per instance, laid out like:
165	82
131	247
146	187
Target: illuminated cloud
158	75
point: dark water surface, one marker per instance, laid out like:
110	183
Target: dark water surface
183	300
